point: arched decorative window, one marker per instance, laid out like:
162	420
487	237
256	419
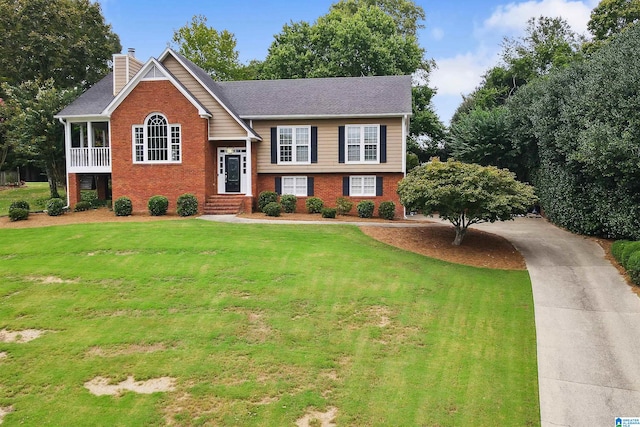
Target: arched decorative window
156	141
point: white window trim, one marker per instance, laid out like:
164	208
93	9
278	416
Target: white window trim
362	144
361	192
295	185
294	160
145	149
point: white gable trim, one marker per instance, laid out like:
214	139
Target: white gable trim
128	88
250	131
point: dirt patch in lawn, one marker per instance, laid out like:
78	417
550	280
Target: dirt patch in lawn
4	411
127	349
48	280
23	336
479	249
317	418
101	386
3	355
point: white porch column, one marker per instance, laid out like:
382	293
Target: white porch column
67	152
249	168
91	142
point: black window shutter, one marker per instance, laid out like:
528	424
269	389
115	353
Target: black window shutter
383	143
340	144
274	145
279	184
345	186
309	186
314	144
378	186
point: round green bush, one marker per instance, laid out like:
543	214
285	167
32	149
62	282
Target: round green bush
18	214
187	205
387	210
628	250
82	205
288	202
265	198
55	207
314	205
272	209
343	205
123	206
617	248
633	267
365	209
329	212
158	205
21	204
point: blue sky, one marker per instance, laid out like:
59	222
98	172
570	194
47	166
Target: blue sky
463	37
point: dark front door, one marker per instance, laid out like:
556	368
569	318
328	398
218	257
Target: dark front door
232	168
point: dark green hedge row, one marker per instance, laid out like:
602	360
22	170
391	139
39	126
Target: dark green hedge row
628	255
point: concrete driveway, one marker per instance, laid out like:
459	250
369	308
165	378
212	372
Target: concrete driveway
587	323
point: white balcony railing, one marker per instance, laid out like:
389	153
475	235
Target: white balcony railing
97	158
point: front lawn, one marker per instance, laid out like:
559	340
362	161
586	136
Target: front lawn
258	325
35	193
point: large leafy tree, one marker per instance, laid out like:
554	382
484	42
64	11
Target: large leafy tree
212	50
37	136
465	194
427	133
353	39
405	13
64	40
610	17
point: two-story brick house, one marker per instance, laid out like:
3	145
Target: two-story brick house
164	127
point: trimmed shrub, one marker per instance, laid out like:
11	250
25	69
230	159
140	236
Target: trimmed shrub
20	204
627	251
265	198
123	206
55	207
272	209
314	205
387	210
329	212
288	202
187	205
343	205
617	248
91	196
158	205
365	209
633	267
18	214
82	206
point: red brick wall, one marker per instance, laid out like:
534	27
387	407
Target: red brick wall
328	187
74	189
141	181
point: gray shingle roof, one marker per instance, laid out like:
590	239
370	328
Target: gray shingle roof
337	96
323	97
93	101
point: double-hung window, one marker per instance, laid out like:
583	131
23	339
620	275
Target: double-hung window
363	143
362	186
296	185
294	144
157	141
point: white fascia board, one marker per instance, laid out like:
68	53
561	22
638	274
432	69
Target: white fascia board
128	88
169	51
84	118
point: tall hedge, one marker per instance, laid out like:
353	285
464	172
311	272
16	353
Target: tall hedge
578	129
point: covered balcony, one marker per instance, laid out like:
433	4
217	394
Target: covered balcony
88	147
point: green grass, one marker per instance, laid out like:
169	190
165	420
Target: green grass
35	193
258	324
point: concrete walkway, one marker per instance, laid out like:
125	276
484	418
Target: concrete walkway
587	322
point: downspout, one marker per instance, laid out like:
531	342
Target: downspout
405	128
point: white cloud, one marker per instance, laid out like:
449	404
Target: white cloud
460	74
437	33
512	18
